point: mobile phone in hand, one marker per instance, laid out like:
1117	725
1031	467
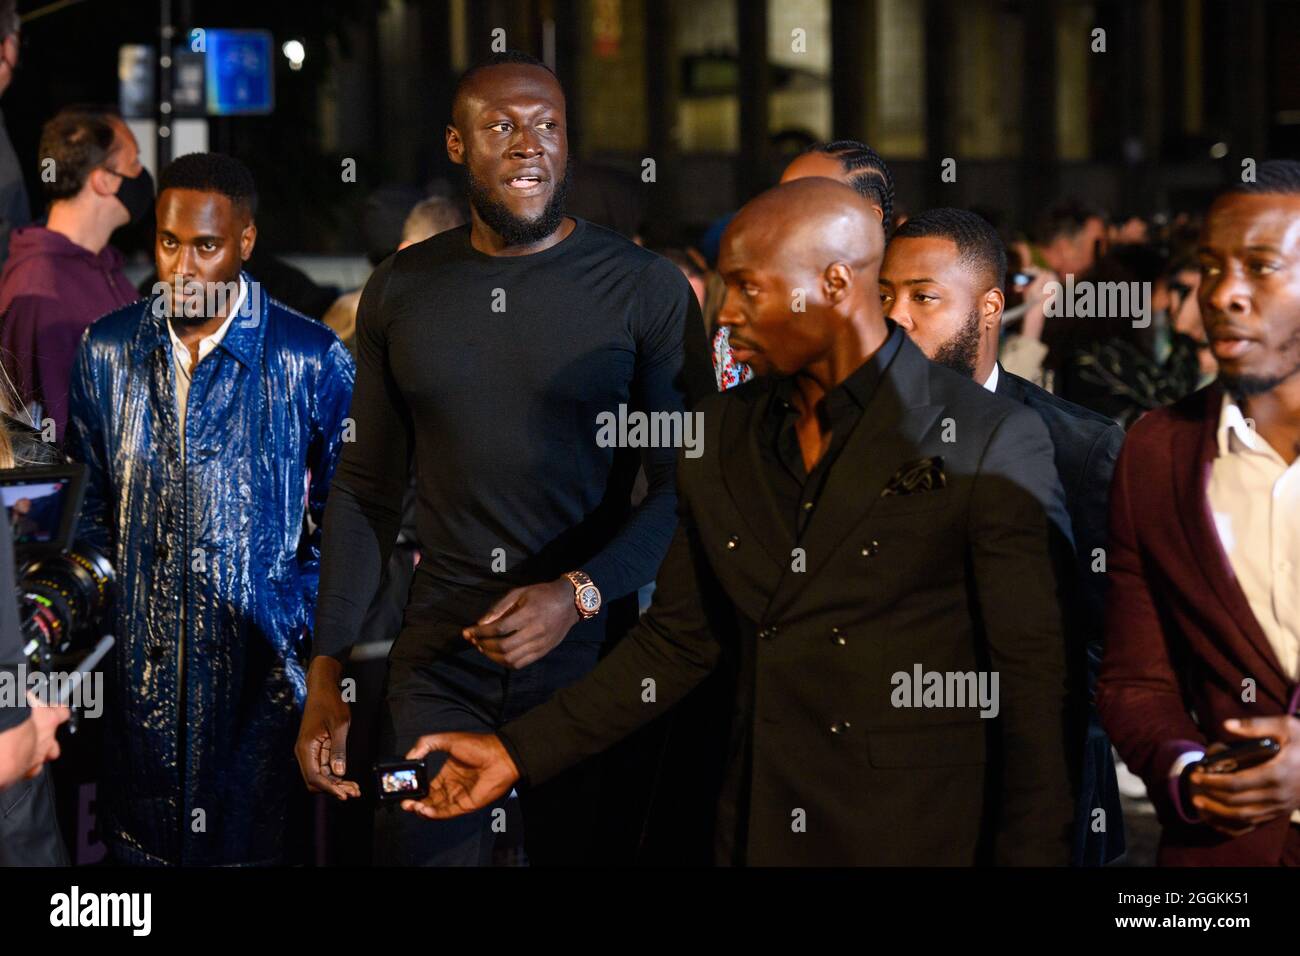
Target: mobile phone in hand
1239	756
401	780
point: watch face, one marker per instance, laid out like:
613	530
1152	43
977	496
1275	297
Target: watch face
589	598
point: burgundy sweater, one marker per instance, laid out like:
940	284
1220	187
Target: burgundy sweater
51	289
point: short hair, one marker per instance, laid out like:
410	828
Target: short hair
212	173
10	23
1065	218
978	243
1272	177
504	58
431	216
78	139
868	173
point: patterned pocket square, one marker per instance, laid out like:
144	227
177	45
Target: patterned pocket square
924	474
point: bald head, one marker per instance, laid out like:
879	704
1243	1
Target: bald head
806	225
801	263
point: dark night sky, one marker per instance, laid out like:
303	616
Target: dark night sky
70	56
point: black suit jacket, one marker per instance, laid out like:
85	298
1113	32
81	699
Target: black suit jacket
822	767
1086	445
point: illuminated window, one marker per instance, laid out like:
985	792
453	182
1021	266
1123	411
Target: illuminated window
799	54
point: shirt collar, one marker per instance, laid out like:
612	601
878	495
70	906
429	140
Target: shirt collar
242	339
210	342
991	383
861	384
1236	434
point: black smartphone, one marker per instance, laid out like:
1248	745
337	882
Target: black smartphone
401	779
1248	753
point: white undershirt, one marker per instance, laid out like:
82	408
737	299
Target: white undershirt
181	353
1255	497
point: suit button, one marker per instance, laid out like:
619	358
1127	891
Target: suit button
840	726
871	549
767	633
837	637
732	543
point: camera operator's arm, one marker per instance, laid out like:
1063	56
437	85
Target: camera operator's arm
27	746
330	400
84	442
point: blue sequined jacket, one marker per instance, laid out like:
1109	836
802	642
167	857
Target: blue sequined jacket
216	542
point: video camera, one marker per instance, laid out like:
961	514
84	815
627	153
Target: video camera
65	586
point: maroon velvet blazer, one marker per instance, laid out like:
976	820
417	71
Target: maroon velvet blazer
1181	639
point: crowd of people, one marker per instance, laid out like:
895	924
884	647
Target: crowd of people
957	526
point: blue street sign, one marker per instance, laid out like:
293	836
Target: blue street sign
239	72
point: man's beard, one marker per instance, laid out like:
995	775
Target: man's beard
200	301
514	230
1241	387
961	352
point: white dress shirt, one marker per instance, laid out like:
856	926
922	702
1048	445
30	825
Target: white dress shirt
181	353
991	383
1255	498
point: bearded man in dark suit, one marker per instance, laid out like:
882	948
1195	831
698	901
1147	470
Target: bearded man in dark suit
942	282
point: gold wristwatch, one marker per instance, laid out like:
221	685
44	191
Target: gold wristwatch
586	596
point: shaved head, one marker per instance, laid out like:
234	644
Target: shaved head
801	263
805	225
507	58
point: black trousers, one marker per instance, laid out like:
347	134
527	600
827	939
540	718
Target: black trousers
29	828
464	691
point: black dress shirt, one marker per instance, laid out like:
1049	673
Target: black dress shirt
795	489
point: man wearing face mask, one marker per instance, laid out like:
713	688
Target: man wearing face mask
63	275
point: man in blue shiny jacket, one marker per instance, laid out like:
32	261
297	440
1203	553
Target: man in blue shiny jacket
211	418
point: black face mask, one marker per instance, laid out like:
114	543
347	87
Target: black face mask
136	194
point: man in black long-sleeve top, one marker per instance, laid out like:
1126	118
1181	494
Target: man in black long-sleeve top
873	541
495	353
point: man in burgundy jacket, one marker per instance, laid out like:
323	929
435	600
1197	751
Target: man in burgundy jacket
1203	613
63	275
